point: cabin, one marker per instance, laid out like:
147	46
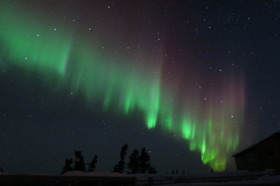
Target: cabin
260	156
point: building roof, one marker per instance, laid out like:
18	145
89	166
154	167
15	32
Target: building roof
276	134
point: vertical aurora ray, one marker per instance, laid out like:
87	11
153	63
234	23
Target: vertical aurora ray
211	127
30	45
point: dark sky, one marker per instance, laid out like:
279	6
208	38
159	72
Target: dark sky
93	75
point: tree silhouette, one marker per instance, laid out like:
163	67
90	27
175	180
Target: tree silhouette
152	170
92	164
120	166
133	163
79	161
140	163
68	165
144	161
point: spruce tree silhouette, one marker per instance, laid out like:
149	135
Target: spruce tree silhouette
92	164
120	166
140	163
67	166
144	161
79	161
152	170
133	163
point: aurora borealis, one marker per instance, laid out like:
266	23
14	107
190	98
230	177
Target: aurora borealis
201	104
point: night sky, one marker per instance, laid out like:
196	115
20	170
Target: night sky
192	81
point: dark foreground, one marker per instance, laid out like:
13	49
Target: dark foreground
106	179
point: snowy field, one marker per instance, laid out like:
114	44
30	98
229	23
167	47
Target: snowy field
107	178
212	179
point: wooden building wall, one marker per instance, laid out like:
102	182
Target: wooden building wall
262	156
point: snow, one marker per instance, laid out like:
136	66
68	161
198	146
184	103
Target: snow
264	180
213	179
232	178
267	177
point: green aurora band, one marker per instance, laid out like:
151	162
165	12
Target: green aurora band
211	127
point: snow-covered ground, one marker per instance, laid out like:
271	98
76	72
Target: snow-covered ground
263	180
220	178
210	179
